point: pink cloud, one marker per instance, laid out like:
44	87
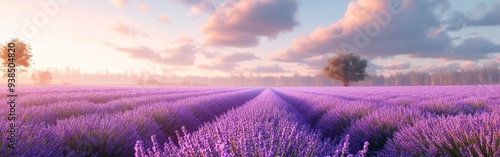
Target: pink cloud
243	24
181	54
127	30
316	61
177	56
468	65
236	57
140	52
228	62
377	28
268	69
144	7
438	68
198	6
164	18
397	66
119	3
195	10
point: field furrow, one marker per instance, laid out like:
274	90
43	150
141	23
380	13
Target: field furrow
264	126
49	114
115	134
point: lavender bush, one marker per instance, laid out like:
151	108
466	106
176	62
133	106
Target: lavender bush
31	140
380	125
463	135
265	126
115	134
49	114
340	117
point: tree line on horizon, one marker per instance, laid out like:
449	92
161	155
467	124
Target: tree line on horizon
487	75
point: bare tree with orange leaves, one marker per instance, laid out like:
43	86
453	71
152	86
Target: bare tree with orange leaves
22	58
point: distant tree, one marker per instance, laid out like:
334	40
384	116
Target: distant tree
346	67
42	77
22	58
152	81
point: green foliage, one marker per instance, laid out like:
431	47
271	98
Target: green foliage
346	67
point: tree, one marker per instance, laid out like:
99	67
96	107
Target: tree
22	58
346	67
42	77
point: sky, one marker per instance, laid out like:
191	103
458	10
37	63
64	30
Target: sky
269	37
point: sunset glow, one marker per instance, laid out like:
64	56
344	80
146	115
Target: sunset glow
218	38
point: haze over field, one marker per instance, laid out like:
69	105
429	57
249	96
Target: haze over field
265	37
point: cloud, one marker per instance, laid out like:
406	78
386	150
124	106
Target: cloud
201	49
127	30
438	68
195	11
316	61
119	3
144	7
141	52
164	18
198	6
448	66
228	62
397	66
181	54
184	39
178	56
482	15
225	67
242	24
473	49
268	69
377	28
236	57
468	65
372	68
495	62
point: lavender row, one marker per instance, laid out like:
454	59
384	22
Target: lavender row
440	105
331	115
115	134
363	120
161	118
23	90
337	118
49	114
264	126
384	94
95	97
378	121
463	135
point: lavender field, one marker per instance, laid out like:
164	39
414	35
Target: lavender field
315	121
